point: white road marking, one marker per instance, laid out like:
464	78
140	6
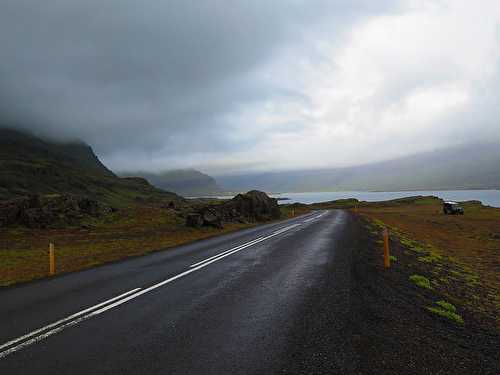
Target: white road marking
227	251
314	218
244	246
74	319
68	318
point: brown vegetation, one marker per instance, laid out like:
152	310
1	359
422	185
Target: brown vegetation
460	255
407	319
132	231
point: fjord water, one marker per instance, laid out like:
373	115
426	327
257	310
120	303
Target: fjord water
487	197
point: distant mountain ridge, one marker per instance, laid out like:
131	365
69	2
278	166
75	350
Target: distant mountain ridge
187	182
464	167
31	165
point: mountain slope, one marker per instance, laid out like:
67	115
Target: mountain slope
182	181
30	165
465	167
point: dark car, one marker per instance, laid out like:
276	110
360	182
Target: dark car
452	208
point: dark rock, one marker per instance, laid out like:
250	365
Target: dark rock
89	206
10	213
212	218
49	211
254	206
194	220
34	201
170	205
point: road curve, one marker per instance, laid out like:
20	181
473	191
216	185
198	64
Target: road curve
270	299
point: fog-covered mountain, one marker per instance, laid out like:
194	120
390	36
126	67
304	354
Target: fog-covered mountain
32	165
464	167
182	181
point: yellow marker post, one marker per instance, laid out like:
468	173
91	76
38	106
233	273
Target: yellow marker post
387	259
52	260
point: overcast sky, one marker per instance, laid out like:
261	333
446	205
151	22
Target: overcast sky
228	86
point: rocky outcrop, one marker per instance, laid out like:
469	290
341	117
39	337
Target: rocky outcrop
254	206
194	220
50	211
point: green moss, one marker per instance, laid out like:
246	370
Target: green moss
378	223
393	258
431	258
472	280
446	310
421	281
446	305
412	245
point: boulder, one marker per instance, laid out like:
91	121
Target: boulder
254	206
42	212
212	218
36	218
10	212
194	220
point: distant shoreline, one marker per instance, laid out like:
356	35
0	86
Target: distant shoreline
490	197
232	194
383	191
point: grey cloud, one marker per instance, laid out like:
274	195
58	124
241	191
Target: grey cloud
140	77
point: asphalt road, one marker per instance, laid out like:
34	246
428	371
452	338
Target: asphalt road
270	299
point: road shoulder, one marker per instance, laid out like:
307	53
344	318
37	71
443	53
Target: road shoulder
394	330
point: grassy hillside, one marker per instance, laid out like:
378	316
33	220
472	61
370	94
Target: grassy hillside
466	167
182	181
30	165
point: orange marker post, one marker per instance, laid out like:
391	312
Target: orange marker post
387	259
52	260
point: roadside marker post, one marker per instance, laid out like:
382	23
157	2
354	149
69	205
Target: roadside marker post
52	260
387	259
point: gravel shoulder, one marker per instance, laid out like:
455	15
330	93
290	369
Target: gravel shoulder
363	319
395	327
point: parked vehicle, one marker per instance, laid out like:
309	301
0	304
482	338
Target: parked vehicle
452	208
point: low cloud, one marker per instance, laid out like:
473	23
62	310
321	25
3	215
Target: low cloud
251	85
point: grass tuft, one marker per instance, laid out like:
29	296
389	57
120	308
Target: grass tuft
446	310
421	281
447	306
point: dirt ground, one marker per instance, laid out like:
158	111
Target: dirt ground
136	231
462	252
416	316
133	231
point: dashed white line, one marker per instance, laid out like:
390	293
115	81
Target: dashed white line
314	218
74	319
244	246
227	251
